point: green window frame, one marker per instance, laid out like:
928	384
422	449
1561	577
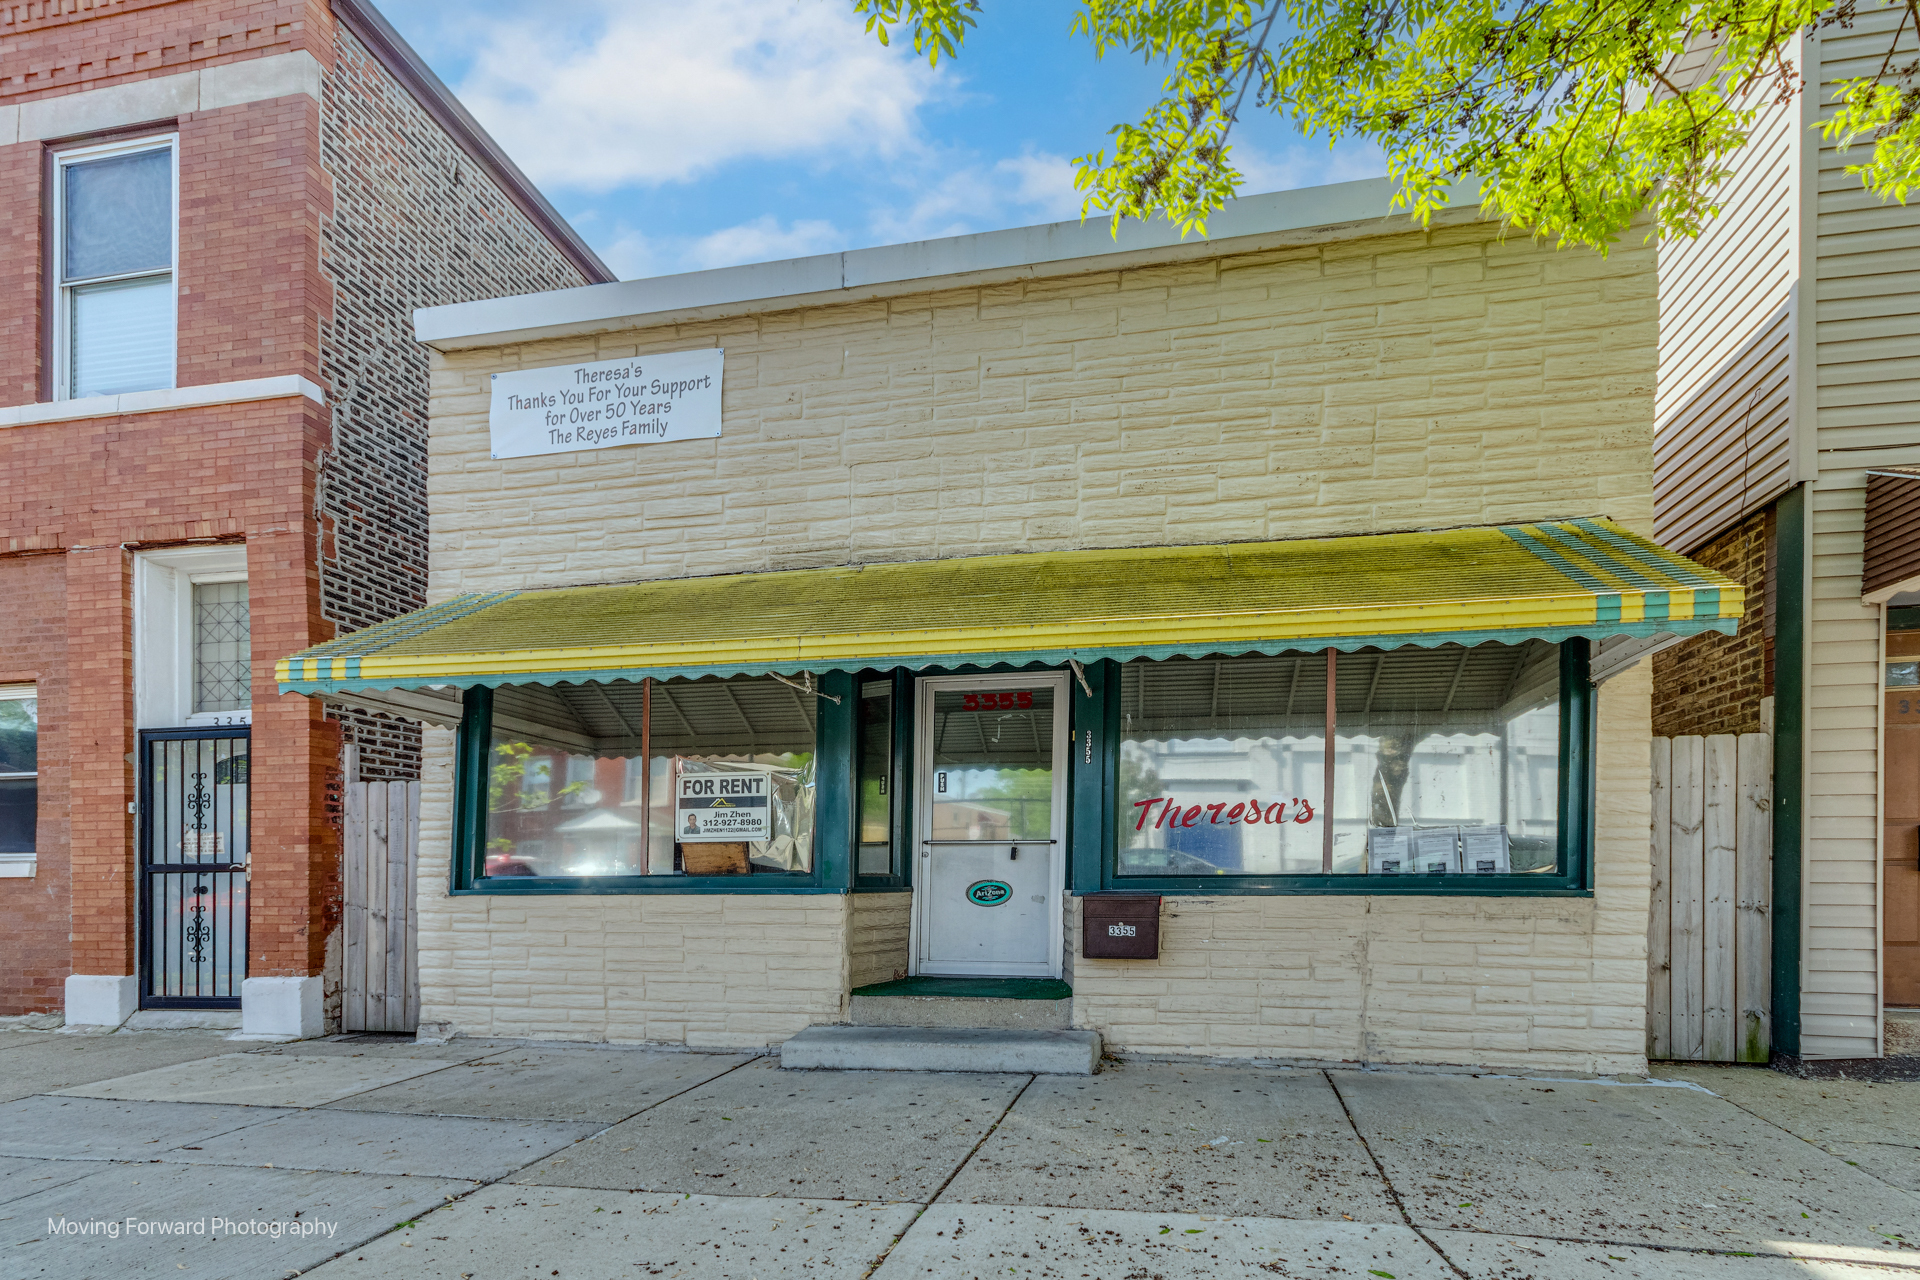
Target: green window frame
834	831
1095	826
900	790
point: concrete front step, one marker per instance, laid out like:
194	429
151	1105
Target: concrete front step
959	1011
849	1048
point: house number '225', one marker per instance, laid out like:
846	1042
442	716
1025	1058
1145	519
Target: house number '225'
1006	700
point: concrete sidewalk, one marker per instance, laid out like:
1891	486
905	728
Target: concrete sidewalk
369	1157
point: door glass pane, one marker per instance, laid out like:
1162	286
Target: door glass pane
119	215
992	764
876	783
123	337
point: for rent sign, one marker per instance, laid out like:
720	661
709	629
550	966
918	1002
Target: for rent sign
723	806
645	400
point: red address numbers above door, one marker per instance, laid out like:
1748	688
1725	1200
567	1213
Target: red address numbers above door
1000	700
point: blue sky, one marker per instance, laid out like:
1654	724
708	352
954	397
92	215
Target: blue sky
704	133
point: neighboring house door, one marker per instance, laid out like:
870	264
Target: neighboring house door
194	846
991	812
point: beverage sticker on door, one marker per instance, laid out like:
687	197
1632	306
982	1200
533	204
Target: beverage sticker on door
989	893
714	807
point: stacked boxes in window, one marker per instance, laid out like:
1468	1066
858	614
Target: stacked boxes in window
1120	926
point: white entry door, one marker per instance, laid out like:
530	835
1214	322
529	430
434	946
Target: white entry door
990	812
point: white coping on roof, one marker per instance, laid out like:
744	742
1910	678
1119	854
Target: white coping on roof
214	393
1339	211
163	98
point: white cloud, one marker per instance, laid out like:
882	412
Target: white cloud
659	92
1017	191
1305	164
634	255
763	240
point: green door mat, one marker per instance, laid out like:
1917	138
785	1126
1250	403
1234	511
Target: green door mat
972	988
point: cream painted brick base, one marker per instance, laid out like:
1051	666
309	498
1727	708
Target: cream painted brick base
710	971
1540	984
1534	983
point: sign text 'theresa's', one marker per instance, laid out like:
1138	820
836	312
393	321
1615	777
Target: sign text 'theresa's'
569	407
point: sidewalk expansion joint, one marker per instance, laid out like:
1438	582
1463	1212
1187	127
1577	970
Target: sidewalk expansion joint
941	1190
1393	1192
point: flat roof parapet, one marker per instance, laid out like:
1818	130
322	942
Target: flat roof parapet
1343	210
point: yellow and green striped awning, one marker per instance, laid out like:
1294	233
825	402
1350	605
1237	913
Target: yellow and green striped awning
1551	581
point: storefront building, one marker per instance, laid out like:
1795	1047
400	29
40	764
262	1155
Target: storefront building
1232	643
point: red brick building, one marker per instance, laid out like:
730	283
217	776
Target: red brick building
215	223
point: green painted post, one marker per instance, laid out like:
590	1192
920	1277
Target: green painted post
1789	744
836	765
1091	757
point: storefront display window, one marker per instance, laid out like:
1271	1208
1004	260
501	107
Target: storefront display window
1446	762
672	778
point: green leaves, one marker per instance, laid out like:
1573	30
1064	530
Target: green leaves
938	25
1565	118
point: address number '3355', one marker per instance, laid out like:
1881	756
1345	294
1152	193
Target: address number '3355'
1005	700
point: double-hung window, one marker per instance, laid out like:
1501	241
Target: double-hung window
19	778
116	246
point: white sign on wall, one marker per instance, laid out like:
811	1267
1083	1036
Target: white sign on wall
723	806
569	407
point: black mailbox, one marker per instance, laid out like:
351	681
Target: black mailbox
1120	926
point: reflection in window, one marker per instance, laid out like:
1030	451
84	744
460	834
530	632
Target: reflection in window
992	764
1222	766
679	777
1446	761
115	271
19	768
876	764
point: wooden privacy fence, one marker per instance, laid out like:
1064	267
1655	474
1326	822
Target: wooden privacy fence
1709	941
380	987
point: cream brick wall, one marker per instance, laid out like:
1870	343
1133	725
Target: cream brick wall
1397	382
1539	983
1418	380
878	929
707	971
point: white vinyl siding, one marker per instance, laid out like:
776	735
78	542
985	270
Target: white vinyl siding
1723	406
1867	334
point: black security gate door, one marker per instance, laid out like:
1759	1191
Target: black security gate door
193	867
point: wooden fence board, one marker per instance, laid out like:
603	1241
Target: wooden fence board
353	957
1660	916
399	916
1722	786
1689	897
1753	876
379	978
1709	944
377	920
